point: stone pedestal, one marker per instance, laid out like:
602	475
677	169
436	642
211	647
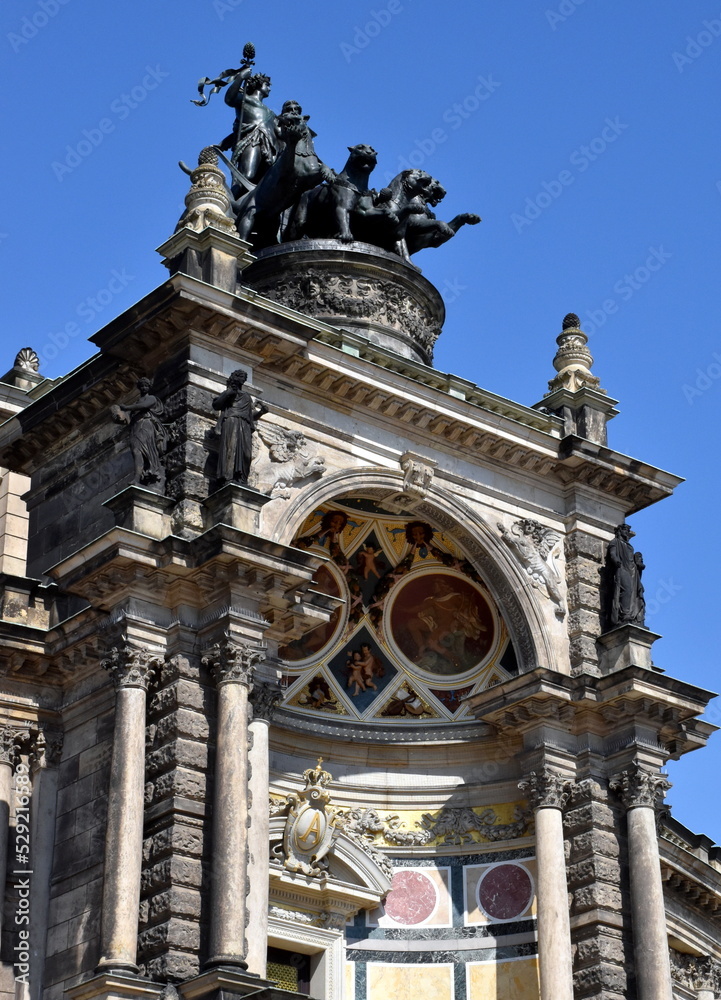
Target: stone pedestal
213	256
545	791
115	986
235	505
229	981
131	669
641	792
626	646
357	287
141	510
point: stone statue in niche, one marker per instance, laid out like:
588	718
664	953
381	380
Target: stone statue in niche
238	416
281	458
148	435
627	605
537	549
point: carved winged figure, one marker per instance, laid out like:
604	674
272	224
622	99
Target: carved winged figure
537	549
281	458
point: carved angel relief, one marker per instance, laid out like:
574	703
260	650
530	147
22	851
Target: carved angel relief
281	458
537	549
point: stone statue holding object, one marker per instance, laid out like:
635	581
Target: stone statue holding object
148	435
238	416
628	606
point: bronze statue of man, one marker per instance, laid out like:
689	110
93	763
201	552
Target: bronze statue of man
238	414
254	139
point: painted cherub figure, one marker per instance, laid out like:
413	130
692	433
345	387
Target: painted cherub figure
366	561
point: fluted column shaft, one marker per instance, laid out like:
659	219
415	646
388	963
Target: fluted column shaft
545	791
264	698
132	670
44	760
641	792
232	665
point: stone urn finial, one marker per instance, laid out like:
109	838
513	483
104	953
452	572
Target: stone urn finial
573	359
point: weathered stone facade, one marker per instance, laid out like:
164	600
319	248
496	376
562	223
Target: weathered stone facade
417	599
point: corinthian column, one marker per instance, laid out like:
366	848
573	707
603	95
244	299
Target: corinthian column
641	792
131	669
546	793
264	699
45	753
231	662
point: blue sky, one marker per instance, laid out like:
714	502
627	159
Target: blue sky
585	134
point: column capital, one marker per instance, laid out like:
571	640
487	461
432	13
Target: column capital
265	698
9	745
232	660
545	788
131	666
46	749
637	786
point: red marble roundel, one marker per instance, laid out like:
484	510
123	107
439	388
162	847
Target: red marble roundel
412	899
505	891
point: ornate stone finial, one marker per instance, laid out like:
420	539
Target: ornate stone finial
131	666
573	359
637	787
545	788
45	749
208	201
27	359
232	661
265	698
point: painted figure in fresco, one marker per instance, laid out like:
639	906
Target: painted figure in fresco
238	416
366	561
419	535
148	437
354	668
404	702
443	622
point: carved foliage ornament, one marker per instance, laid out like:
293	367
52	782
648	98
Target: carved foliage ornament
537	549
639	787
131	666
546	789
232	661
265	699
451	825
46	748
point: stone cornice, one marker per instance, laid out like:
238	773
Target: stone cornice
454	413
618	711
200	572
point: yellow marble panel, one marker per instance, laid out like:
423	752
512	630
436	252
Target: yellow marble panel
513	980
349	981
472	875
409	982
